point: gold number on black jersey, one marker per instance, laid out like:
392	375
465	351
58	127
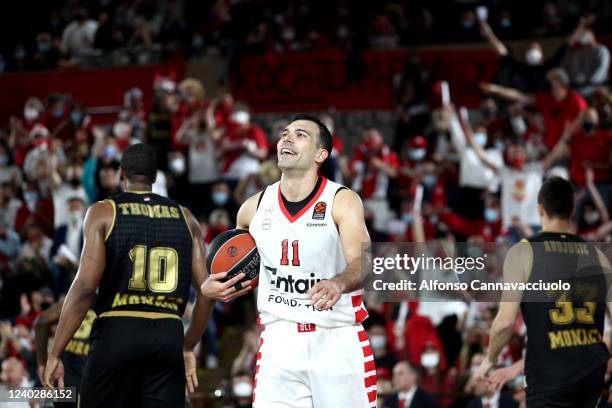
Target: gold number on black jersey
162	265
566	313
84	329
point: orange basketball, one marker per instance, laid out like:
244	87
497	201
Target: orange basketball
234	251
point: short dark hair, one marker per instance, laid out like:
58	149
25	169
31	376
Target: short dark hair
557	197
325	136
139	162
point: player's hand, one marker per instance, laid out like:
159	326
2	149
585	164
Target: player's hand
213	288
497	378
54	372
190	371
484	369
325	294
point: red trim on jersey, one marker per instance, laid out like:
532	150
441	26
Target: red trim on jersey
372	396
360	315
293	218
370	381
356	300
362	335
368	366
367	351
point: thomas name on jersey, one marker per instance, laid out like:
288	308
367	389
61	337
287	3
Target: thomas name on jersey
151	211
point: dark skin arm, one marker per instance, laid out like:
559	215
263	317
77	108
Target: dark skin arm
97	222
203	306
42	332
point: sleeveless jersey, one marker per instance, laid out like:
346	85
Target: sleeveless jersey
148	257
296	253
564	329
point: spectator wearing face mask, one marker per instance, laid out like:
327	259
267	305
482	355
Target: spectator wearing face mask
198	133
218	222
590	147
372	165
242	390
383	358
64	185
242	147
408	394
520	181
592	211
133	113
587	63
67	245
474	177
35	209
558	107
528	75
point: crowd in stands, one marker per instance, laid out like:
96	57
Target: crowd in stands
479	169
114	32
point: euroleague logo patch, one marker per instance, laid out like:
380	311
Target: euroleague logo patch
319	210
232	251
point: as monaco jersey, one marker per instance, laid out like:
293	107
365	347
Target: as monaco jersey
296	253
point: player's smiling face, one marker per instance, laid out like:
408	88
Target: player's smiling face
298	146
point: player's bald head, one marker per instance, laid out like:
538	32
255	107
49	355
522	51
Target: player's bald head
139	163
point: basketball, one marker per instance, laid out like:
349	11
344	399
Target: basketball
234	251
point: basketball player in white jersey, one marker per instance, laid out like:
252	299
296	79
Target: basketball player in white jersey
309	232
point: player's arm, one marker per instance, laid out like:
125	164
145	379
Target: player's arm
604	262
348	216
212	287
517	267
203	306
98	221
42	333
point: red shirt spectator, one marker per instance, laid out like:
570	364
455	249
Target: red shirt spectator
373	163
558	113
590	150
236	139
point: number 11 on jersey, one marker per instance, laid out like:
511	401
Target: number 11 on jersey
295	259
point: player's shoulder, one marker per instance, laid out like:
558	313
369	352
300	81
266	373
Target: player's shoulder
247	210
347	203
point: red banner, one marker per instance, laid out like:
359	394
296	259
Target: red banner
316	81
92	88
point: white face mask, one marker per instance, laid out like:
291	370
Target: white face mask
533	56
241	117
417	154
430	360
242	389
591	217
76	216
378	342
121	129
177	165
30	114
480	138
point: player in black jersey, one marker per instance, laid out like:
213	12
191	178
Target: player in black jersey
566	357
74	356
142	251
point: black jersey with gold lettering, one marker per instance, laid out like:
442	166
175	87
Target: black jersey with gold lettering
148	257
74	356
564	328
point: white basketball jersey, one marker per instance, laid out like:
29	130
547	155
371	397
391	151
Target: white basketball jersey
296	253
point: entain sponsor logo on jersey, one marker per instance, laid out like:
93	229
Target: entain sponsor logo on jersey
292	284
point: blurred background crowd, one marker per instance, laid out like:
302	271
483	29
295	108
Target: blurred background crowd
545	113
